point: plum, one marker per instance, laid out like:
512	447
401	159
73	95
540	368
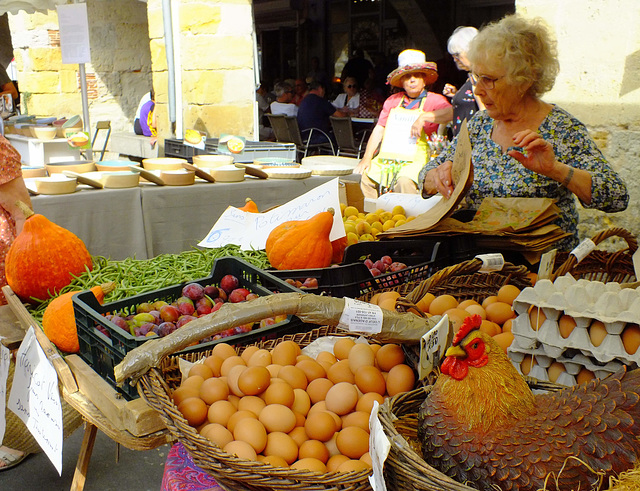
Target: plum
194	291
211	291
143	329
238	295
375	271
310	283
368	263
229	283
143	318
203	306
120	322
222	295
184	319
251	296
216	306
386	259
144	307
169	313
166	328
380	266
397	266
158	304
185	306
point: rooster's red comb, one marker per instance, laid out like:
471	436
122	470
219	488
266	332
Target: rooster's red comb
468	324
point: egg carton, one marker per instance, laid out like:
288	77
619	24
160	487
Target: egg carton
547	299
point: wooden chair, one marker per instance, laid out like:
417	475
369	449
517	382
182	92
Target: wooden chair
286	129
349	144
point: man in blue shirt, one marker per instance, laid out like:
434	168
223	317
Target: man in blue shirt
314	112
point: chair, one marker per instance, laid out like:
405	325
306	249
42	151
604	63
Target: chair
286	129
349	145
102	125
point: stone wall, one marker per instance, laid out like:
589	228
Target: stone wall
599	82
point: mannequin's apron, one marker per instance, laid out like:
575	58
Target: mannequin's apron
405	161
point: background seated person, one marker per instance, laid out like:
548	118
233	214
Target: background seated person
349	100
413	75
314	112
284	100
7	86
521	145
301	89
145	123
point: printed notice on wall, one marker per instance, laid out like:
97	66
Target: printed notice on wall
5	359
74	33
35	398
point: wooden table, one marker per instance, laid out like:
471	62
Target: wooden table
130	423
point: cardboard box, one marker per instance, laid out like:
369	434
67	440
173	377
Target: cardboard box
351	194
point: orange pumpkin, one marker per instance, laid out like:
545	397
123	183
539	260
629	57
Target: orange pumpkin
44	258
250	206
59	322
338	246
301	244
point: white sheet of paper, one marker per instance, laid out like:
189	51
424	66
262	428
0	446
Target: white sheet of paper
35	398
379	446
74	33
413	204
397	142
250	230
5	359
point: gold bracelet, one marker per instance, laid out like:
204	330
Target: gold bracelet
567	179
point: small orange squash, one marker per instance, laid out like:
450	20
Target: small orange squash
301	244
44	258
250	206
59	322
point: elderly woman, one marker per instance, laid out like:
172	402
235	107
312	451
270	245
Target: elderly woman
465	103
349	100
423	110
523	146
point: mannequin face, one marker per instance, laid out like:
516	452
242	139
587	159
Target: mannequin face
413	84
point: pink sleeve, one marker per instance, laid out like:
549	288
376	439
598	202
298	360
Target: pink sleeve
10	165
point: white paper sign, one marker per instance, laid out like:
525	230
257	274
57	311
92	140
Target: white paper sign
5	359
359	316
35	398
74	33
379	447
398	144
413	204
433	346
250	230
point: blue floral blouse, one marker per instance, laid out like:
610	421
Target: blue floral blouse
499	175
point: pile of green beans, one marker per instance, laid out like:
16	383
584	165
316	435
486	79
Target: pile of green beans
135	276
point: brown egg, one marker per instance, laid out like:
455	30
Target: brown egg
318	406
294	376
241	449
337	419
597	332
466	303
274	369
183	392
247	352
217	434
273	460
251	403
353	465
425	302
491	328
508	293
456	317
285	353
536	317
332	446
309	464
318	388
229	363
253	432
300	418
233	399
279	393
254	380
320	425
213	389
504	340
555	370
566	325
400	379
314	449
312	369
506	327
370	379
340	372
527	364
365	403
366	458
220	412
360	355
357	418
193	382
342	347
374	299
237	417
585	375
476	309
353	442
387	300
300	358
201	369
281	445
277	417
326	357
631	338
499	312
299	435
342	398
302	401
194	410
442	303
223	350
214	362
334	462
488	301
388	356
233	377
260	358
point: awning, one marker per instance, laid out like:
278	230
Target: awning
29	6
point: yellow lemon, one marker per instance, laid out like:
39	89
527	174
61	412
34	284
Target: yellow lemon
388	224
367	237
343	206
350	210
371	218
398	210
377	226
350	227
410	218
352	238
385	215
400	222
363	228
395	218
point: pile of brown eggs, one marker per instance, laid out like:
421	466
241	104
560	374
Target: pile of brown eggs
286	409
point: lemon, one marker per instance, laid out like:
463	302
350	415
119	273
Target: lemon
349	211
367	238
349	226
398	210
371	218
395	218
376	226
343	206
388	224
400	222
385	215
352	238
410	218
363	228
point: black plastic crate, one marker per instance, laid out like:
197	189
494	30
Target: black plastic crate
422	256
103	353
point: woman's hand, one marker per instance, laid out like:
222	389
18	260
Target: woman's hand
416	127
439	180
538	154
363	166
449	90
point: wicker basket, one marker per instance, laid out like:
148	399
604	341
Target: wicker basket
230	472
601	265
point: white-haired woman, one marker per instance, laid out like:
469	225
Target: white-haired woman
465	103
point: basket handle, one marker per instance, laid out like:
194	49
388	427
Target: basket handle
572	260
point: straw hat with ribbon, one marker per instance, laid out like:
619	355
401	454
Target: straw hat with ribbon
413	61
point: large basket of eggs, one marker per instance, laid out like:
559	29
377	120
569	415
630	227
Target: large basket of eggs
290	413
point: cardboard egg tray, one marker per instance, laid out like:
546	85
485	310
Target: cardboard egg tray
572	360
585	301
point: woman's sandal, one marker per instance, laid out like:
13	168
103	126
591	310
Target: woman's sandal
10	458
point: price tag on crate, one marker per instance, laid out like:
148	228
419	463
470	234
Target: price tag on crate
491	262
546	264
433	346
361	316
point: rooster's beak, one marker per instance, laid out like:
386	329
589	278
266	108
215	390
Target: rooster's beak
456	351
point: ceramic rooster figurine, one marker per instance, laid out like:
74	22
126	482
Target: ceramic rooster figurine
482	425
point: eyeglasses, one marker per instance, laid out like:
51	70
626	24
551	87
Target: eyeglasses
351	86
488	82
